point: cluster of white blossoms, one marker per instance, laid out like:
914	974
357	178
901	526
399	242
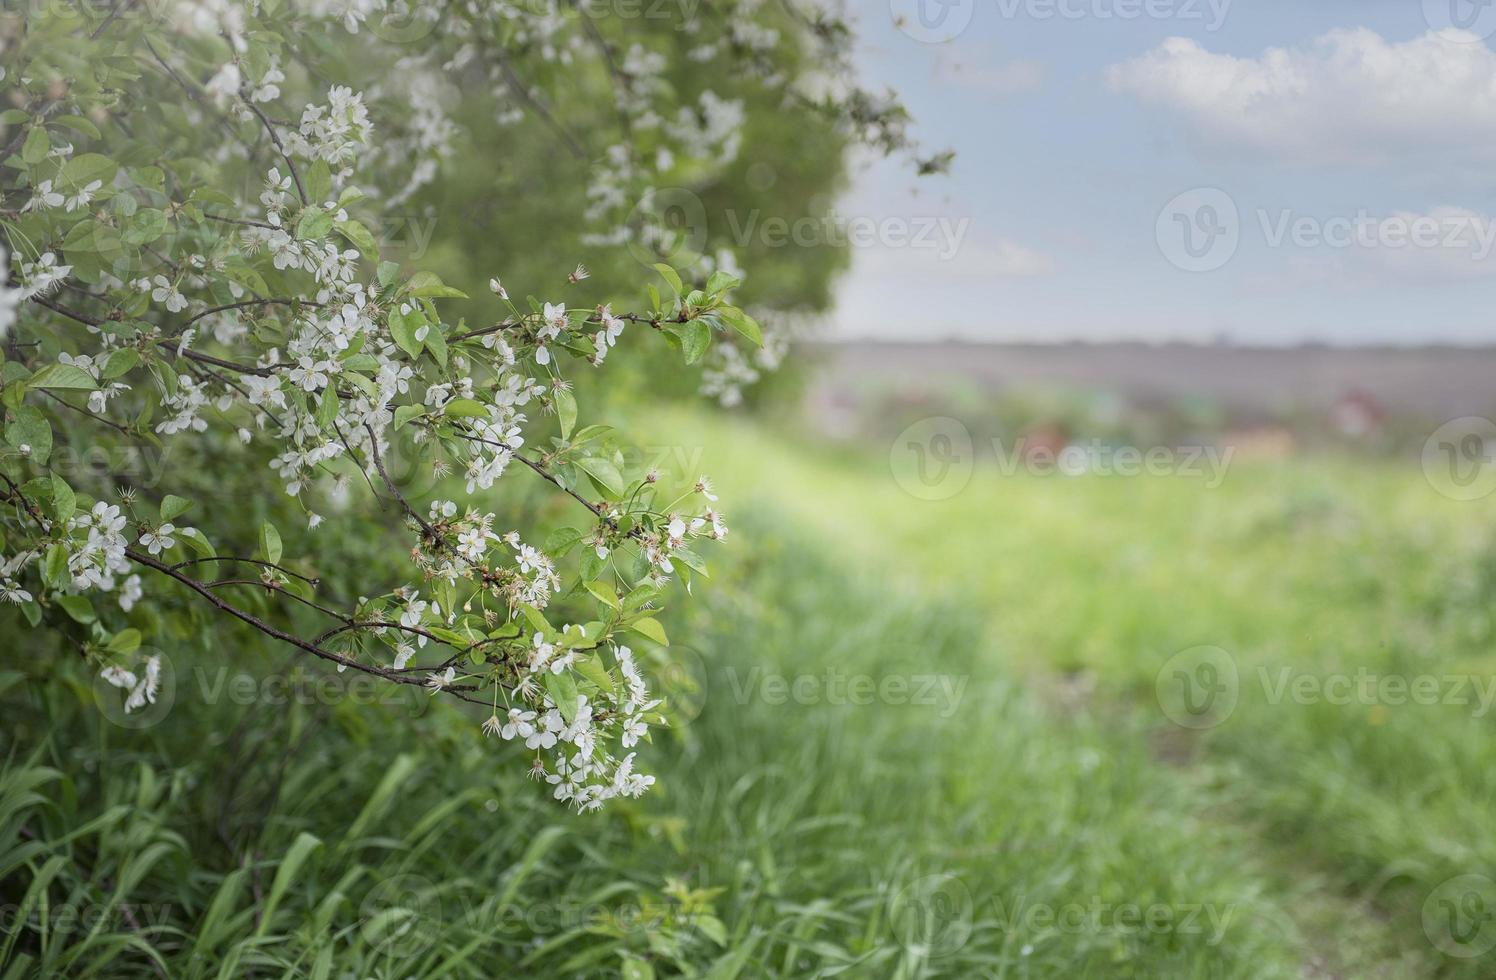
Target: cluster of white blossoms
225	291
582	770
729	371
96	547
141	689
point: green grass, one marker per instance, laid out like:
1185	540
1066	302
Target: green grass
1007	828
1321	567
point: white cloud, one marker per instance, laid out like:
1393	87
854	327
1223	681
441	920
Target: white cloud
1349	97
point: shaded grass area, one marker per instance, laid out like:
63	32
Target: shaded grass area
807	835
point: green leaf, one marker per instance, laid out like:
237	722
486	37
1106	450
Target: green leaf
535	618
640	596
145	226
650	627
562	688
695	338
360	236
672	277
566	411
79	124
742	323
603	473
713	928
314	223
327	407
465	408
78	607
173	506
436	343
604	593
690	559
429	284
64	501
562	540
270	543
387	272
66	376
635	968
30	428
591	668
34	150
120	363
125	641
403	329
721	282
55	568
196	540
319	181
405	413
85	168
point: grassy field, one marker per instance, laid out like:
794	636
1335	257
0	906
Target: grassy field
923	739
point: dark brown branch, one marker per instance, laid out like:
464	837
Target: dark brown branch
275	139
276	633
83	411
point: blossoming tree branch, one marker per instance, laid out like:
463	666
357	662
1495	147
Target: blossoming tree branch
189	190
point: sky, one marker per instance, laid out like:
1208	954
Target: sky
1259	172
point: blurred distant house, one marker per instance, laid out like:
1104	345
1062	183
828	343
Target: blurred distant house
1043	443
1267	440
1358	415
